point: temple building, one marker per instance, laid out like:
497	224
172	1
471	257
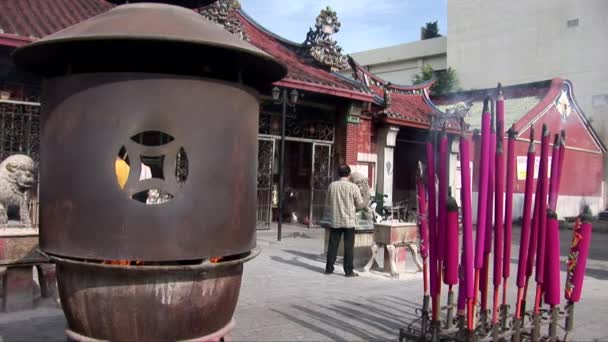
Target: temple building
377	127
550	102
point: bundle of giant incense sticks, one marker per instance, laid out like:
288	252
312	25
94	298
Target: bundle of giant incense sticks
472	270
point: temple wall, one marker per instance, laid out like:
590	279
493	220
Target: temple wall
522	41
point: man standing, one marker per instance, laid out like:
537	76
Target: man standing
343	200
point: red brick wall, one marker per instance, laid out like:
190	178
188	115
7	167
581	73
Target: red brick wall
360	138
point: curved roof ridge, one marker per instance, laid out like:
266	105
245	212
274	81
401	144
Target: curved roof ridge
267	31
584	117
356	66
419	86
350	80
541	107
389	85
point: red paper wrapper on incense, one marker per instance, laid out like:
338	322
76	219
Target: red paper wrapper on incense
552	262
499	207
484	170
432	241
544	188
577	259
511	169
451	240
526	228
467	217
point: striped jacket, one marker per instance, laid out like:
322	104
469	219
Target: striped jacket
341	203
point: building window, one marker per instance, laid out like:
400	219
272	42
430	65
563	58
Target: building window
572	23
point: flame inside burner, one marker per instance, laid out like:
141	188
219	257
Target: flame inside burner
213	260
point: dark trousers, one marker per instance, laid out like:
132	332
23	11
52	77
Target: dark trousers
332	248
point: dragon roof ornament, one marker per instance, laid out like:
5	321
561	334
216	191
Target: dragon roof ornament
223	12
319	43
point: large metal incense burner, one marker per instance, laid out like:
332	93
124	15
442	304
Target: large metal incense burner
147	110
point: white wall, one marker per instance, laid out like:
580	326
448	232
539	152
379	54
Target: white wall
521	41
399	63
567	206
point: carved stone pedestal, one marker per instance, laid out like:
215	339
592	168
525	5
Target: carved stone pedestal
397	238
18	257
363	239
18	288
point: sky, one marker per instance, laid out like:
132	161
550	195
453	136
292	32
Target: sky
366	24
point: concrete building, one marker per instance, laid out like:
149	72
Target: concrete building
523	41
399	63
514	42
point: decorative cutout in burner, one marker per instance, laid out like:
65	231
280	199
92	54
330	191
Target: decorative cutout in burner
152	138
151	167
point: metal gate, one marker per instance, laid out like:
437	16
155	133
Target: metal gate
266	151
320	180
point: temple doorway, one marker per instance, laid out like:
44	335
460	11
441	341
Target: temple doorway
307	176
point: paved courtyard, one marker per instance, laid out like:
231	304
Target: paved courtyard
286	297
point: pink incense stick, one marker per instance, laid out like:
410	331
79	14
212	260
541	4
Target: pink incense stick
422	219
560	166
499	210
542	219
489	217
554	180
462	300
484	171
451	253
544	188
499	215
442	196
432	242
422	223
552	262
491	184
526	224
467	217
506	267
534	230
577	259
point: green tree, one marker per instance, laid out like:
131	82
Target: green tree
447	80
430	30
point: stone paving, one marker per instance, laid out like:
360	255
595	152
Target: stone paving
286	297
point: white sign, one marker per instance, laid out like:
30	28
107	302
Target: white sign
522	167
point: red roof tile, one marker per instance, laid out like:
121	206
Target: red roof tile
408	105
38	18
24	21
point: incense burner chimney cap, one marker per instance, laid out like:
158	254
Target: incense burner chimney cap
182	3
153	38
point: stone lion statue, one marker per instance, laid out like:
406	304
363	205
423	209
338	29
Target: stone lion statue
362	182
16	177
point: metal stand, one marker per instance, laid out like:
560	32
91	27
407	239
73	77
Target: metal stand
529	327
450	319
